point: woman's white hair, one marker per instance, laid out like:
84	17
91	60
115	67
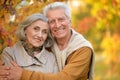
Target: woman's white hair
20	32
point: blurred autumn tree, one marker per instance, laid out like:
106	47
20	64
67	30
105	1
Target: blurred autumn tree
107	13
12	12
107	30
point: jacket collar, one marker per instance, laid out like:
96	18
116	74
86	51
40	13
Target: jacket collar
25	60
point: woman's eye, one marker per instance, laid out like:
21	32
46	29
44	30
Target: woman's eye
36	28
45	31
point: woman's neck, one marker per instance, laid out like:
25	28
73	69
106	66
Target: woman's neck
31	50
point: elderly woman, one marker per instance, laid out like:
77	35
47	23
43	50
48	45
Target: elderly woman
32	51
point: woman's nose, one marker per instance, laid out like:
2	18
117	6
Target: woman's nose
39	34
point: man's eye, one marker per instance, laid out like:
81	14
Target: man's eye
51	21
61	19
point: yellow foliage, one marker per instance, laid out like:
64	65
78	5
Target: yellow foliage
110	46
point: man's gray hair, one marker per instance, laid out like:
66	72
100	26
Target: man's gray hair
55	5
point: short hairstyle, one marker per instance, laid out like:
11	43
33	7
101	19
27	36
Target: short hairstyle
56	5
20	32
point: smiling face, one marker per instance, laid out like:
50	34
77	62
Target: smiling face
36	33
59	23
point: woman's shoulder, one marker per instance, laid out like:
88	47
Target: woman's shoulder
11	49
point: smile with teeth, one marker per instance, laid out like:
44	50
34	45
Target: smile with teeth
38	39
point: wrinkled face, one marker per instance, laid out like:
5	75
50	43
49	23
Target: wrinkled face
59	23
36	33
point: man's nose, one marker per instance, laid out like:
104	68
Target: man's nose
57	23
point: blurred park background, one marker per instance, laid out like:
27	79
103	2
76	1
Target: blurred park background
97	20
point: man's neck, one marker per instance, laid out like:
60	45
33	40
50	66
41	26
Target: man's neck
63	42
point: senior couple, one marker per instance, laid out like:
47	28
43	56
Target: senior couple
42	54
